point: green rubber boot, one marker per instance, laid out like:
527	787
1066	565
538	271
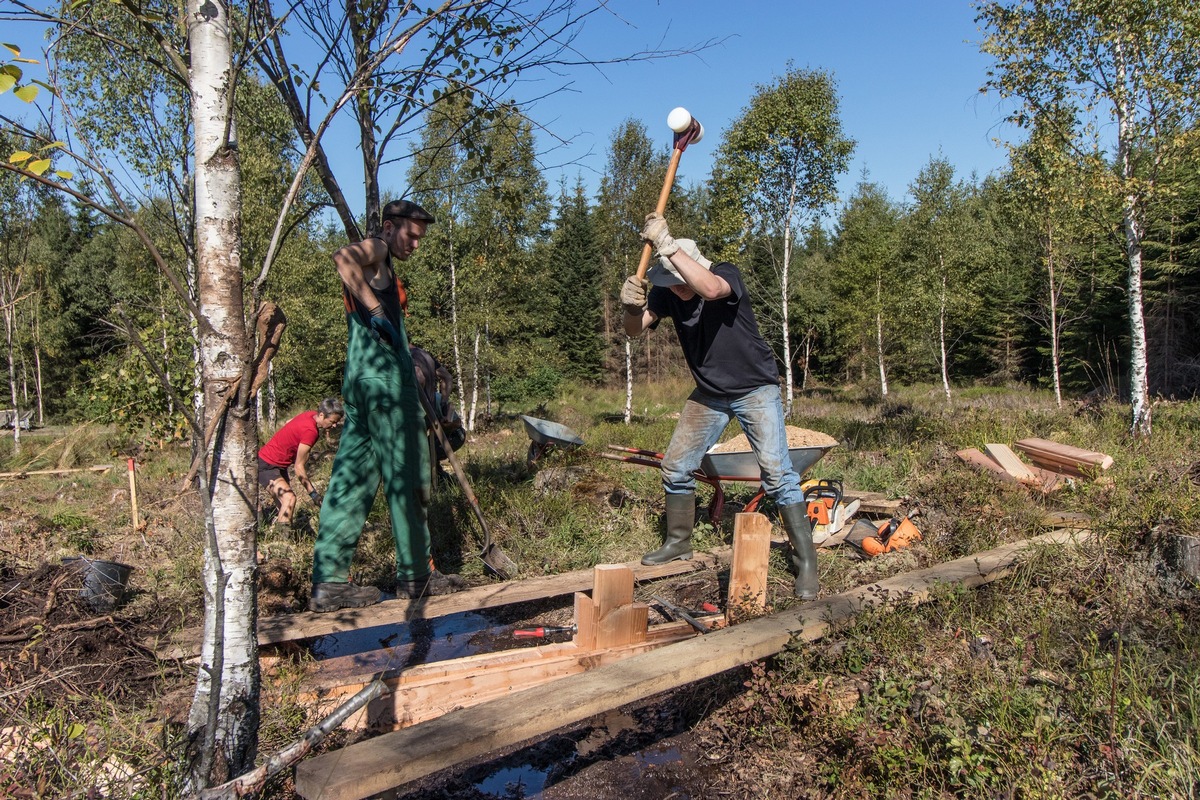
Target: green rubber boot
804	552
681	518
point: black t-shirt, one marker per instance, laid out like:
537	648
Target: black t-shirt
724	350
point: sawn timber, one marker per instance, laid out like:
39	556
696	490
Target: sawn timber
394	759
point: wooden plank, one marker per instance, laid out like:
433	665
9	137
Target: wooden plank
748	571
872	502
288	627
1003	455
391	760
1046	450
1067	519
428	691
97	468
1049	481
974	457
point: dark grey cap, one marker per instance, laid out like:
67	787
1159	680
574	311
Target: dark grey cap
405	209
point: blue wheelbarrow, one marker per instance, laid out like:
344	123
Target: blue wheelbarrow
545	435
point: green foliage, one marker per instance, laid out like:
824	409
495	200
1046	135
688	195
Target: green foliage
776	172
126	392
576	259
535	386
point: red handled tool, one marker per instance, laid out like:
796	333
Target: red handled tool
542	631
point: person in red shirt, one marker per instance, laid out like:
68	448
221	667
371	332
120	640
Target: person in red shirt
290	446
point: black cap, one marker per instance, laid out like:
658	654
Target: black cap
404	209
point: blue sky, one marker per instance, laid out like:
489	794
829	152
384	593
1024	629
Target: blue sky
908	77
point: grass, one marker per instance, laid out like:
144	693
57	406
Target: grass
1075	677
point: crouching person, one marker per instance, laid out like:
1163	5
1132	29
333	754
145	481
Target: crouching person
289	447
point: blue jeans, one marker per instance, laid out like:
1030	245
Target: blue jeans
760	413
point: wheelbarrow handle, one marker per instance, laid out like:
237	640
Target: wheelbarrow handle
636	451
643	462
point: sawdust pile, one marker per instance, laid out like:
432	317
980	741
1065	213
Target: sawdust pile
797	437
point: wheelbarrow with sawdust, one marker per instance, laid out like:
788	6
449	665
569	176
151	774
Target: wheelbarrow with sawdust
719	467
545	435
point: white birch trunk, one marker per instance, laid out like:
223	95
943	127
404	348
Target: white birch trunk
455	342
1054	356
942	333
1139	390
272	399
224	716
628	380
9	307
474	385
788	392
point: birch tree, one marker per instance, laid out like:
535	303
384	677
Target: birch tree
866	267
942	244
223	722
1050	191
1132	70
225	710
780	161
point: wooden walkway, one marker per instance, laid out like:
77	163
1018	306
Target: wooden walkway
394	759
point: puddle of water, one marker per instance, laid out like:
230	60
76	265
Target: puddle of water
439	639
657	756
527	781
524	782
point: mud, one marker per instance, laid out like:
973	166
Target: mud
647	752
50	637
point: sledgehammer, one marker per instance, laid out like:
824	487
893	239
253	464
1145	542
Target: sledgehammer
687	130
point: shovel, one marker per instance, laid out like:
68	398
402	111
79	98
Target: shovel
493	557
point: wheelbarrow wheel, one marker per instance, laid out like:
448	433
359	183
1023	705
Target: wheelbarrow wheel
534	453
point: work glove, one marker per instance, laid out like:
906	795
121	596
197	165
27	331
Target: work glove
633	295
316	498
656	233
383	327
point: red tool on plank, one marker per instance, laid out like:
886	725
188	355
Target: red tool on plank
542	631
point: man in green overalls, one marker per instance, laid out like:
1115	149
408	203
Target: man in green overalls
384	435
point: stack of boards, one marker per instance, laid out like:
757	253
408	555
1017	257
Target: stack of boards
1052	466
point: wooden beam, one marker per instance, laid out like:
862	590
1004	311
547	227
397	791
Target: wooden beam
748	571
1003	455
612	587
872	502
427	691
974	457
289	627
1064	458
27	473
391	760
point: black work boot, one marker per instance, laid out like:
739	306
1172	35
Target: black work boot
681	518
332	596
804	552
434	583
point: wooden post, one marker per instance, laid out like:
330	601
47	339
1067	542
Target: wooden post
610	618
613	587
585	621
748	573
133	497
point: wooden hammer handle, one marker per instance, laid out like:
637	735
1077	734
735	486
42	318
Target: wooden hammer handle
661	208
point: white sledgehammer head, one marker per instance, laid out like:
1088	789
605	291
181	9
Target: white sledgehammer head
679	120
